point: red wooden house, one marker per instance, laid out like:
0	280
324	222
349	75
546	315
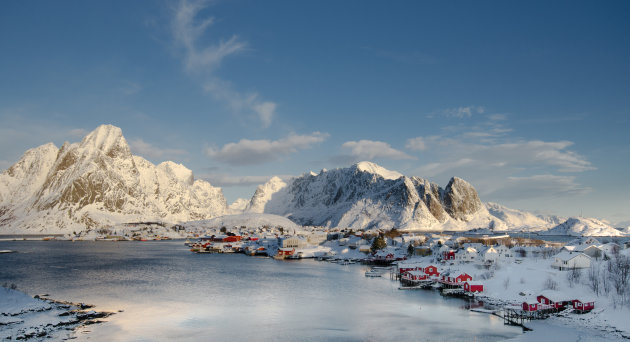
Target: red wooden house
407	268
530	306
583	306
471	286
462	278
448	255
553	299
415	275
284	252
431	271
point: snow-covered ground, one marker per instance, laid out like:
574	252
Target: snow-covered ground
518	282
23	317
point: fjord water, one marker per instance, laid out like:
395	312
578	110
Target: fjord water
167	293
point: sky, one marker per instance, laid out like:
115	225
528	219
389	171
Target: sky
527	101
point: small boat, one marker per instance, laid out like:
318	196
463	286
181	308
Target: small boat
372	273
6	251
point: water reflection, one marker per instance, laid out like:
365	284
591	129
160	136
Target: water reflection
168	293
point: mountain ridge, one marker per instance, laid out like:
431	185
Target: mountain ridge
98	182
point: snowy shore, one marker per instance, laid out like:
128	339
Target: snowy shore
515	283
23	317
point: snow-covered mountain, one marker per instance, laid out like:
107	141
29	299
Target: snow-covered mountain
366	195
98	182
582	226
247	220
515	219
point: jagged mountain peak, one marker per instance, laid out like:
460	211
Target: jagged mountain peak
369	167
98	182
366	195
108	139
178	171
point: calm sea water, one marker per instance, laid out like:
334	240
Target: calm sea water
168	293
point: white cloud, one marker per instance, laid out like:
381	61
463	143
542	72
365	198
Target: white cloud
144	149
265	111
187	31
532	154
461	112
369	149
249	152
239	103
537	186
500	165
416	144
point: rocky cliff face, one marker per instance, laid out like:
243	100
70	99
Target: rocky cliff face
98	182
366	195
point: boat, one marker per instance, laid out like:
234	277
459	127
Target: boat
372	273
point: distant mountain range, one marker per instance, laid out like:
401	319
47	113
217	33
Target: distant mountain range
98	182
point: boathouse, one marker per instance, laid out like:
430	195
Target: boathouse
462	278
471	286
583	306
553	298
431	271
286	251
415	275
530	306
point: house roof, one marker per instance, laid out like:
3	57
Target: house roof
555	296
566	256
470	282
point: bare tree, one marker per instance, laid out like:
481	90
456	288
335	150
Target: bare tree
574	276
620	275
593	278
551	284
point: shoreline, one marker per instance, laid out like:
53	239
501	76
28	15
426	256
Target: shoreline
40	317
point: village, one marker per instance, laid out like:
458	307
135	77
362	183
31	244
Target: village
584	281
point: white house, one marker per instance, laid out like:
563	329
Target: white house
490	255
468	254
568	260
293	242
316	238
504	252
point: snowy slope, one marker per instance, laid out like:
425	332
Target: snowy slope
98	182
238	206
522	220
250	220
582	226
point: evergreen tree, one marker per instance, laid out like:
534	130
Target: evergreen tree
378	243
410	249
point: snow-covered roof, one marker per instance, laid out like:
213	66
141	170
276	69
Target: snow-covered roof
470	282
566	256
555	296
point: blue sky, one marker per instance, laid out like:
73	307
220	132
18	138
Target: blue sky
527	101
